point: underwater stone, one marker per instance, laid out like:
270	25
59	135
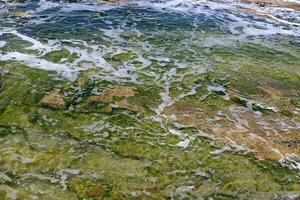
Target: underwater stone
21	14
53	100
125	104
122	57
107	95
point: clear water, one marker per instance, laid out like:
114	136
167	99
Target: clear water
148	99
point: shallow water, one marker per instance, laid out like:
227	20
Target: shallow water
148	100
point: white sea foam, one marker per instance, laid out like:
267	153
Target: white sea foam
291	160
33	61
218	10
36	45
294	1
2	44
69	7
46	5
86	7
184	144
87	58
227	11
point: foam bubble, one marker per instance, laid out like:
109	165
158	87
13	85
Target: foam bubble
230	10
2	44
70	7
33	61
291	160
293	1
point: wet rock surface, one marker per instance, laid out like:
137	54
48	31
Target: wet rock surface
195	100
108	95
53	100
280	3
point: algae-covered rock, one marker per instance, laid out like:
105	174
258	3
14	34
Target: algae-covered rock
58	56
117	98
113	1
122	57
108	95
158	105
22	14
125	104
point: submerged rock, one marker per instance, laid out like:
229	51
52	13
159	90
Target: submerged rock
108	95
116	98
122	57
115	1
279	3
157	127
242	128
22	14
125	104
53	100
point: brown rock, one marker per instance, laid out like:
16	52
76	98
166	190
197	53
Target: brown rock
95	191
274	3
185	114
115	1
53	100
22	14
125	104
236	125
107	109
107	95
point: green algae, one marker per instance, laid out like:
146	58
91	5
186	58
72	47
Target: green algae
92	151
60	56
16	44
21	92
147	96
128	160
122	57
